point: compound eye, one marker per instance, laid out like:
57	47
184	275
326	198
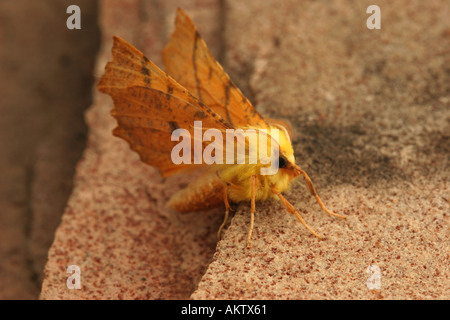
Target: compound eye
282	162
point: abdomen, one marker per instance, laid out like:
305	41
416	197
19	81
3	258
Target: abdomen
204	193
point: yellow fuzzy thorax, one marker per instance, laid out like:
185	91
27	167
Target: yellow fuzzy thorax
239	175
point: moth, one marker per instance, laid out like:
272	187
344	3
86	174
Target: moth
150	104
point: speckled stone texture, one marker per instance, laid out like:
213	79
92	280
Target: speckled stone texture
370	112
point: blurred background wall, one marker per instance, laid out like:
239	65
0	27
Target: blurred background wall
46	82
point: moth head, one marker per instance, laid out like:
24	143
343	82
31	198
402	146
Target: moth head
286	159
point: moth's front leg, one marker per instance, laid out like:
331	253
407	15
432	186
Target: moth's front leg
252	210
313	192
292	210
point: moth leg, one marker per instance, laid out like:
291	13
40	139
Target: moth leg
292	210
313	192
227	209
252	211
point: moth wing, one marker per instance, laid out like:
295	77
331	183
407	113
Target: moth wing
188	60
149	105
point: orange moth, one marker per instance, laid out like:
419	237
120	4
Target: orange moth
150	104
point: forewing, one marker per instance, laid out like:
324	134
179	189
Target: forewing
149	105
188	60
